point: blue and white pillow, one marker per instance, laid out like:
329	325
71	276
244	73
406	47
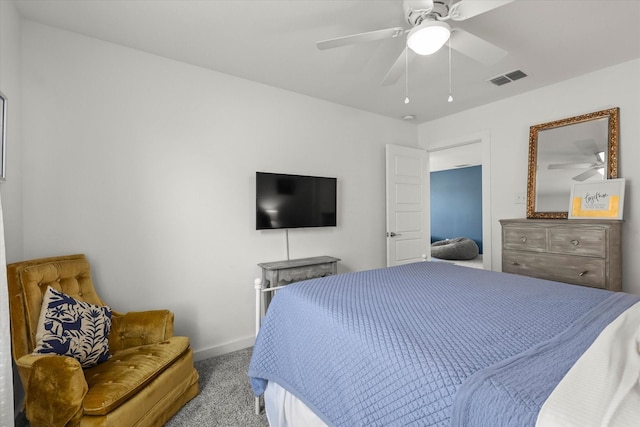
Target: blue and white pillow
69	327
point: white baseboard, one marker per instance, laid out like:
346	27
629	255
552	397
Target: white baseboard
223	348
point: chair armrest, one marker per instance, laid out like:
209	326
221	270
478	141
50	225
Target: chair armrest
138	328
55	390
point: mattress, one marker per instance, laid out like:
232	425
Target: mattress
427	344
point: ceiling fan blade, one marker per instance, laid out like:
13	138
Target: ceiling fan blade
387	33
586	174
476	48
571	165
466	9
601	156
398	67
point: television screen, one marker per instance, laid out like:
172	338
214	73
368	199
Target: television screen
294	201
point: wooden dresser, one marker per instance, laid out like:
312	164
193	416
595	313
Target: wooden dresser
582	252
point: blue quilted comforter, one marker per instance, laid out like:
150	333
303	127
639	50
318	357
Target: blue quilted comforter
427	344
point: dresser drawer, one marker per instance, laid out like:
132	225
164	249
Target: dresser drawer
584	241
525	238
578	270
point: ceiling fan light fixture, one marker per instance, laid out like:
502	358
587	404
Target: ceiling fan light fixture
428	37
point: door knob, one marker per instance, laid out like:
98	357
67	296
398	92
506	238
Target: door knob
392	234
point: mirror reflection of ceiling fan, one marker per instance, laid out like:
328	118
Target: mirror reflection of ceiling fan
428	32
592	169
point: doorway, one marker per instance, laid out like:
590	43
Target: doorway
469	151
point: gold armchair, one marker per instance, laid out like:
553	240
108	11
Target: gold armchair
148	378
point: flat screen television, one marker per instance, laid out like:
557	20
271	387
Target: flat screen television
294	201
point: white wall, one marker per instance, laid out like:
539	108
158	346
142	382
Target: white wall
508	123
148	165
11	189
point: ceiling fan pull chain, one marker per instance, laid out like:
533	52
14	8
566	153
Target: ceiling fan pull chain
450	99
406	75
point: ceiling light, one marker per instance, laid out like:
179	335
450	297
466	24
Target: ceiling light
428	37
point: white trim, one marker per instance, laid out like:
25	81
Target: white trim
225	348
6	369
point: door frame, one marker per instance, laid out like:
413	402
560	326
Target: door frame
484	138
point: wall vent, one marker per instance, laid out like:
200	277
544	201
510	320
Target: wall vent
507	77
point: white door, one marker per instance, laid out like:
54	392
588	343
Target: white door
408	226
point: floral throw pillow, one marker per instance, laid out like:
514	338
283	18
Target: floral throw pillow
73	328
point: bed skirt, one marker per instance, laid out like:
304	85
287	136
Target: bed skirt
285	410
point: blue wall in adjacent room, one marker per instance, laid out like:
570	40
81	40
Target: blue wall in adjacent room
456	204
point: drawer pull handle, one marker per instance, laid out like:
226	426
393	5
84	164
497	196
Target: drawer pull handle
515	263
523	239
583	273
575	242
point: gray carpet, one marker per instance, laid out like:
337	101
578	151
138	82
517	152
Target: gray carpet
225	397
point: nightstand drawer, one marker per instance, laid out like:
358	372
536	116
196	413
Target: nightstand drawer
583	271
525	239
296	274
585	241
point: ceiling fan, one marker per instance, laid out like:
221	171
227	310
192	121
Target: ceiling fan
428	32
592	169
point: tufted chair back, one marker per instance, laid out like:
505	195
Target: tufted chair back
28	281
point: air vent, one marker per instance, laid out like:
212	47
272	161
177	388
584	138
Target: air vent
500	80
516	75
508	77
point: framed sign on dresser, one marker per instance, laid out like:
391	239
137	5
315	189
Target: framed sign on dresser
582	252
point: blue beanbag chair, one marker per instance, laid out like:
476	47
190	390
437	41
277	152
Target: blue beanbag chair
460	248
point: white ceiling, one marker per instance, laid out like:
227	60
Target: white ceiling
456	157
273	42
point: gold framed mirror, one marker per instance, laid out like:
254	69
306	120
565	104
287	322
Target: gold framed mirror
576	149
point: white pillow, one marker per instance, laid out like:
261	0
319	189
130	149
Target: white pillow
73	328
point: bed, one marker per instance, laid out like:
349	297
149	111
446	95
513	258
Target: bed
434	344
